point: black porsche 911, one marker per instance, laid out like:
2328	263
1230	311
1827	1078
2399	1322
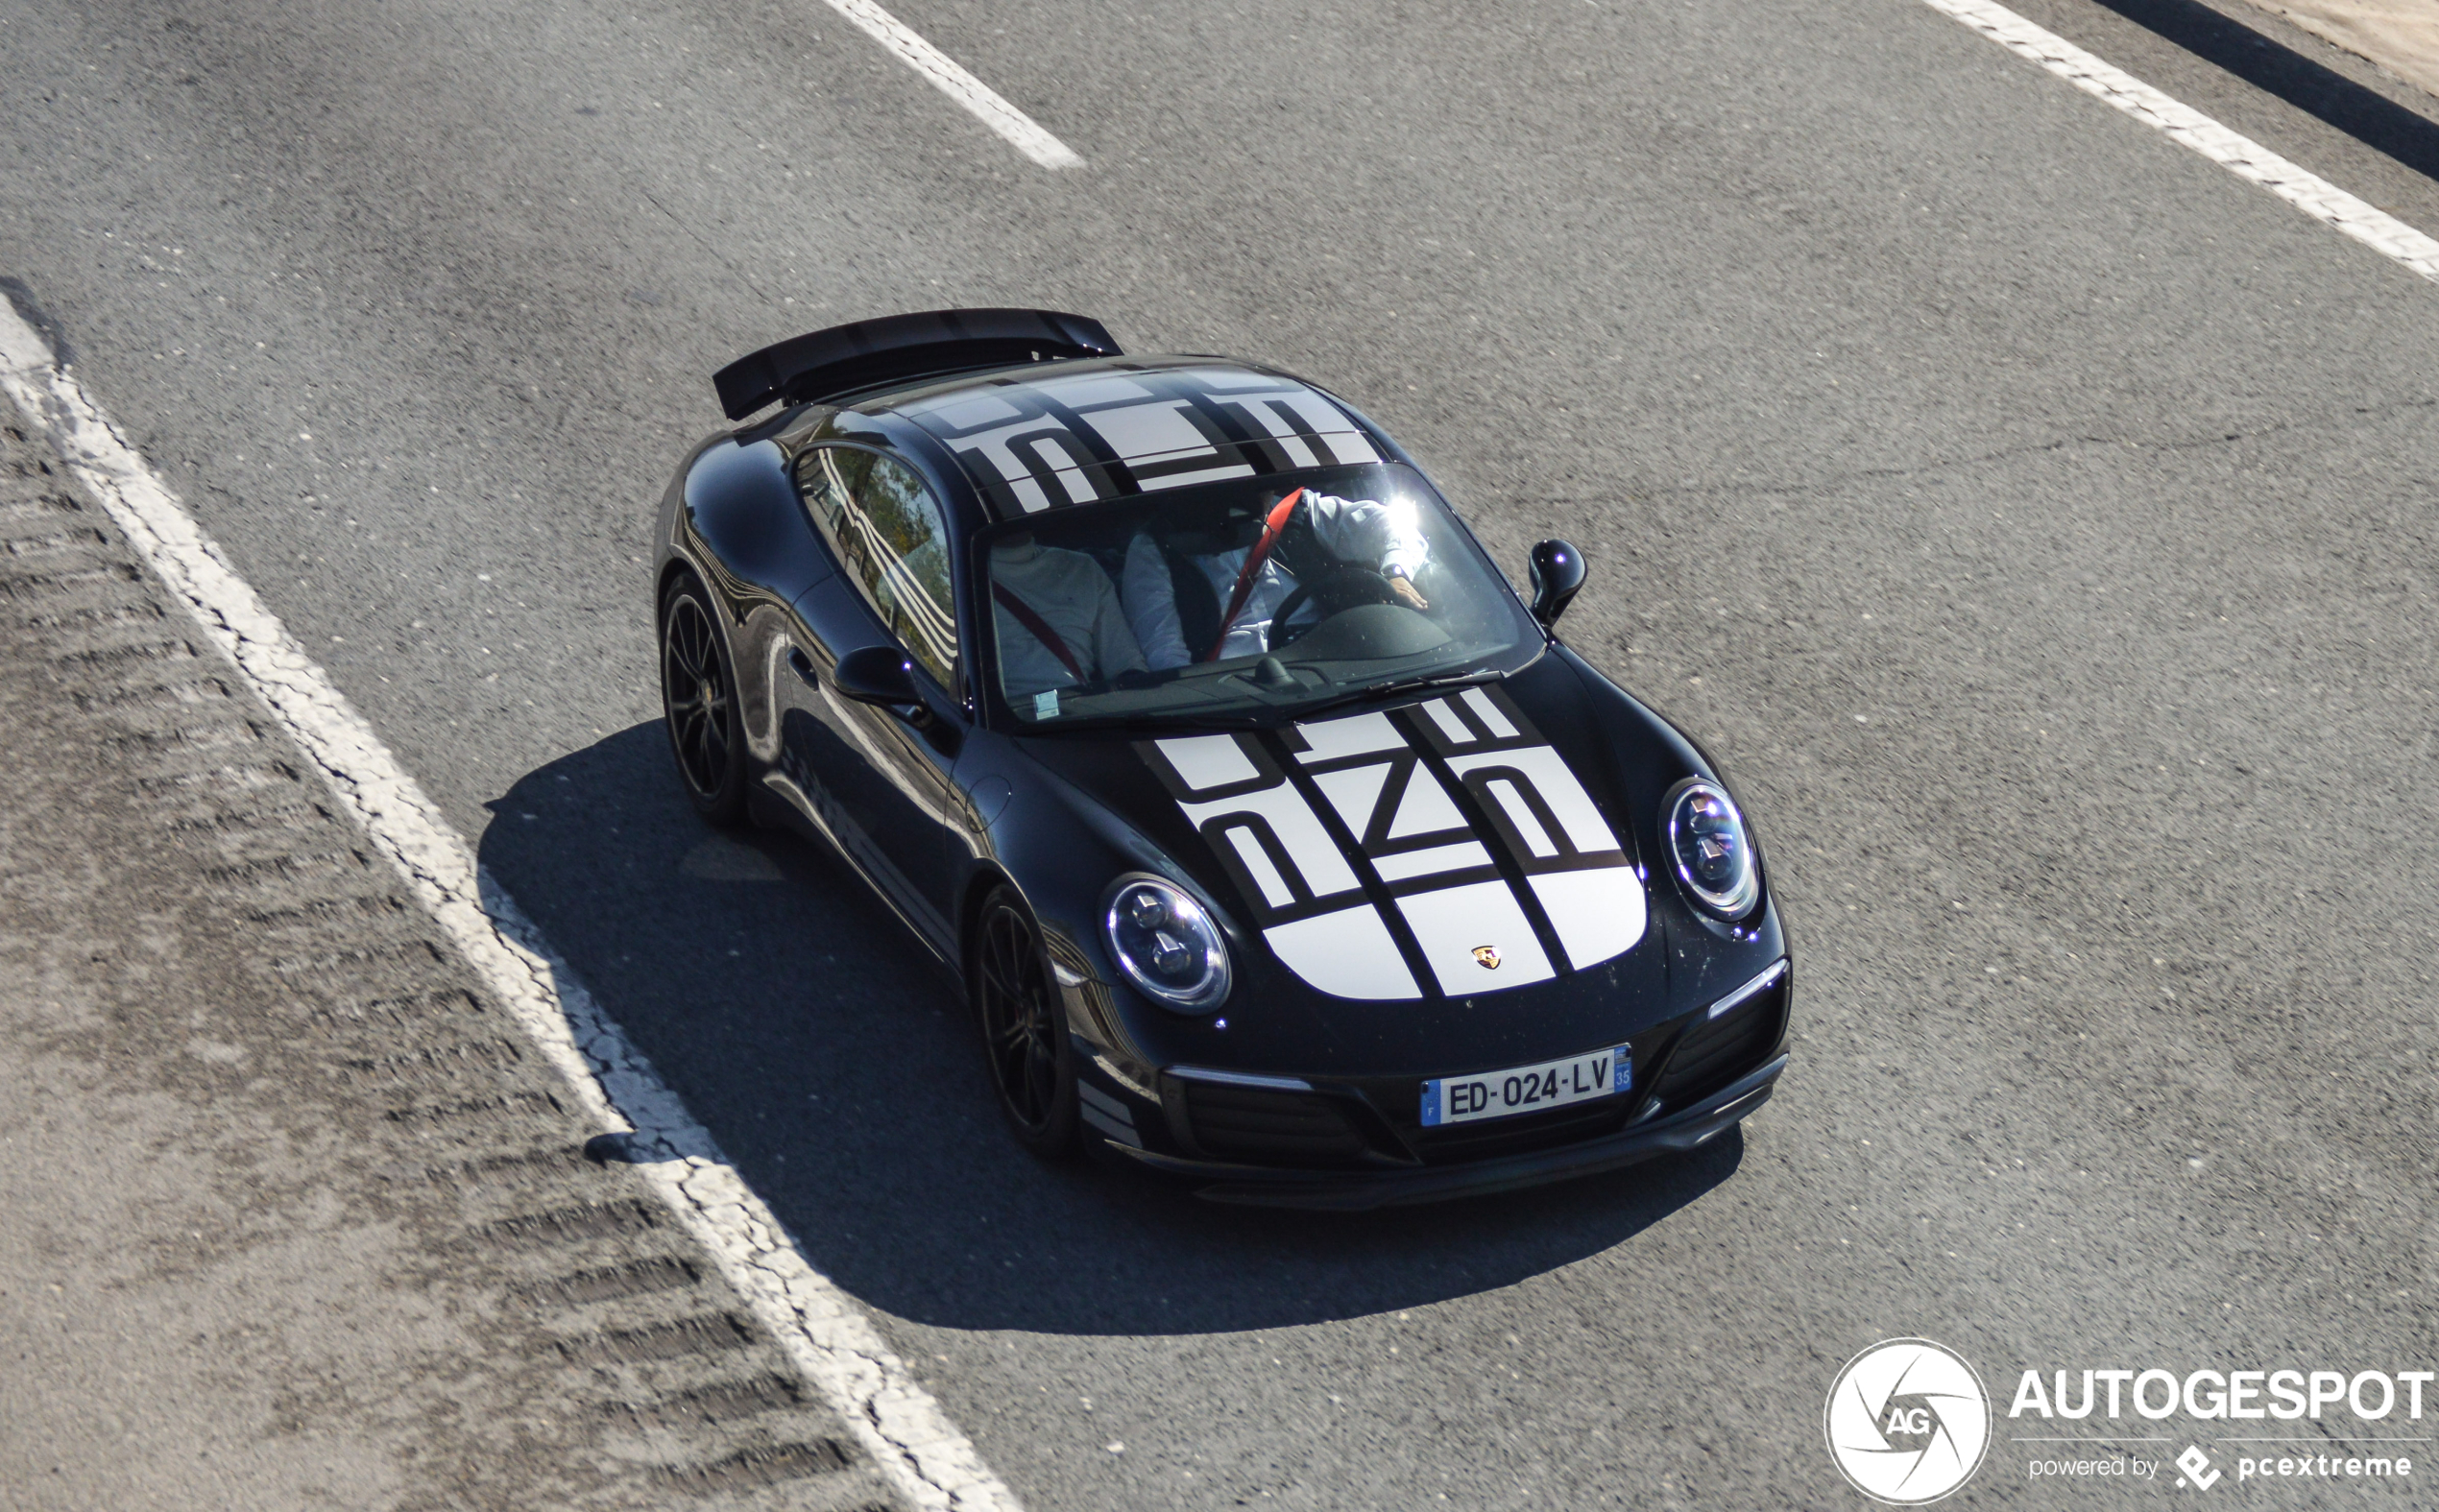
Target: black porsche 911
1276	842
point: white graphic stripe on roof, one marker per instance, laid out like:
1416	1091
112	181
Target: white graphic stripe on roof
1135	430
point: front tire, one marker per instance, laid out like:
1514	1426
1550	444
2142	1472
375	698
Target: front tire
1023	1027
698	704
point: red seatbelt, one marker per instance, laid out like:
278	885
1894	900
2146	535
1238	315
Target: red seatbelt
1253	559
1041	628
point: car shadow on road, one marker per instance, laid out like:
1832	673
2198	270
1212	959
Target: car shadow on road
835	1064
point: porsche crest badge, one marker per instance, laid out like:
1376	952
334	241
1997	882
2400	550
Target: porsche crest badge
1488	956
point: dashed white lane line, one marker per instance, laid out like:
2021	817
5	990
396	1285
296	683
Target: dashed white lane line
1021	130
2248	159
819	1326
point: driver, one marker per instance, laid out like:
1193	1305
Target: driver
1386	537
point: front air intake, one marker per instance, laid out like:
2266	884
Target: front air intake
1714	1052
1258	1123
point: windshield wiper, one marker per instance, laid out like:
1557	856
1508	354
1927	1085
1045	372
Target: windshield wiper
1420	684
1250	719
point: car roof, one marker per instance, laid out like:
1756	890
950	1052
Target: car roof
1057	434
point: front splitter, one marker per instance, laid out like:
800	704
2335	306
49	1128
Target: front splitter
1355	1192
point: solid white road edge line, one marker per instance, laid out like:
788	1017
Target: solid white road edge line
2310	193
816	1324
979	98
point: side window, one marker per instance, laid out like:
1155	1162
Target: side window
828	477
891	537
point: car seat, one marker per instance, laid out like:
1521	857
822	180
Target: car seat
1197	602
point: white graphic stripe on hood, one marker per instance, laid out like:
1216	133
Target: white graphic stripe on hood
1543	771
1596	914
1203	762
1356	735
1424	808
1347	954
1455	922
1354	794
1310	851
1475	932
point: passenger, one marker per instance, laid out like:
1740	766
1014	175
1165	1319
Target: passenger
1387	537
1058	620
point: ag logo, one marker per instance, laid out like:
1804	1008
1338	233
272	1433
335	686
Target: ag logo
1907	1422
1488	956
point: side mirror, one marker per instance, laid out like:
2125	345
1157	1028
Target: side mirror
877	675
1557	574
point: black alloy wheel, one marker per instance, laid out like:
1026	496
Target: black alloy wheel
698	702
1024	1029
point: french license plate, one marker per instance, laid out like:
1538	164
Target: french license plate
1528	1089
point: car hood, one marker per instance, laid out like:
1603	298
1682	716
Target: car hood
1468	847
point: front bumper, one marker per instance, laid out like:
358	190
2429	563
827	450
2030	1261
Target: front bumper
1356	1190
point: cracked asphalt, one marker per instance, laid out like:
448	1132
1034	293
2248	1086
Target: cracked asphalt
2034	520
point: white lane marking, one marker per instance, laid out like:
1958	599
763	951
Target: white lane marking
2313	195
980	99
819	1326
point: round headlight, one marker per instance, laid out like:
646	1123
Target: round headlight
1708	845
1167	945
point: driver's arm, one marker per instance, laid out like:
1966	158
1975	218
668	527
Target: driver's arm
1389	535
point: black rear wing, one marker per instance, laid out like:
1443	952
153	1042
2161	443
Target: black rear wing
825	364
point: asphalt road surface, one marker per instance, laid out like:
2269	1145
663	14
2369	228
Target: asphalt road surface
2034	518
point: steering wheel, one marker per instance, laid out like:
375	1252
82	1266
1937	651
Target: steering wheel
1341	585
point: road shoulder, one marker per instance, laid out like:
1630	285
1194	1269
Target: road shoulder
298	1217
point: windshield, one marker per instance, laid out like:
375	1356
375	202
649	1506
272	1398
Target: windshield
1248	601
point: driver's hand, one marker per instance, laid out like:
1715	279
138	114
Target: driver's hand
1408	594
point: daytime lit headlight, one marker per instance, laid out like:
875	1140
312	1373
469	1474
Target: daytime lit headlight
1709	849
1167	945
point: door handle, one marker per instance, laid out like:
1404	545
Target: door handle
803	666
